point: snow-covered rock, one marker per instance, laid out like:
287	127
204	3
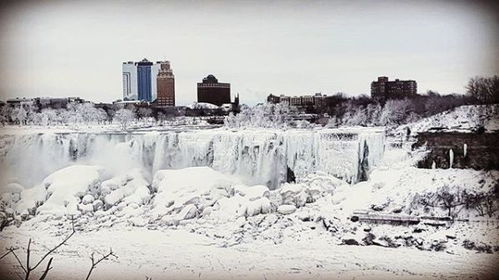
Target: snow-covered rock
85	208
258	206
252	192
87	199
309	189
200	186
286	209
60	192
131	187
188	212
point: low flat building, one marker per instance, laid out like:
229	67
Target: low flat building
316	100
17	102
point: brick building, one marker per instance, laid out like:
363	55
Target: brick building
165	81
383	89
211	91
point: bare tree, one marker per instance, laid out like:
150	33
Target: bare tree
95	262
449	201
484	89
27	267
444	198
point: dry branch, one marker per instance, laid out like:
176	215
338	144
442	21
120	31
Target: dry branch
96	262
28	268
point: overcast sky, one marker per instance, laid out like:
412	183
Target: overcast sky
72	48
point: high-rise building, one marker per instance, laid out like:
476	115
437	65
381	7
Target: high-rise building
165	85
211	91
383	89
154	74
139	80
129	81
144	80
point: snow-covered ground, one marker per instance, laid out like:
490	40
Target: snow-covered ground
179	254
201	221
462	118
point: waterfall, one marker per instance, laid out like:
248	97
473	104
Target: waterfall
258	156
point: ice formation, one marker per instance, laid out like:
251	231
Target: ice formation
260	156
451	158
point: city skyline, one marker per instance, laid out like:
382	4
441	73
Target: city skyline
292	48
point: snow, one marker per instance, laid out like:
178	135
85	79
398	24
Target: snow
12	188
462	118
253	192
131	188
183	255
87	199
189	186
64	188
286	209
202	105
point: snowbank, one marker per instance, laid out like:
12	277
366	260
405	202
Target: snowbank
202	105
61	192
395	190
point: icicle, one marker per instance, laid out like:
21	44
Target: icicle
451	158
433	165
465	149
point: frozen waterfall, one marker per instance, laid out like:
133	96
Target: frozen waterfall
258	156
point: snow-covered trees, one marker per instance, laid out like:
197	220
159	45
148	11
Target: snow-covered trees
124	117
76	113
263	115
397	112
5	113
393	112
86	113
19	115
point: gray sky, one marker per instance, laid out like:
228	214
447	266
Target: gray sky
72	48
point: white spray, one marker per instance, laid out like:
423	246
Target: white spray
465	149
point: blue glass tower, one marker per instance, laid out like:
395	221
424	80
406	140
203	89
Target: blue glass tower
144	80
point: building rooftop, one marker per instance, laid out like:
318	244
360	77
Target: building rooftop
210	79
